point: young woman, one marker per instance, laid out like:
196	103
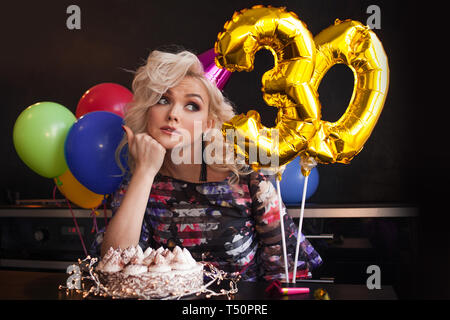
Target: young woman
224	213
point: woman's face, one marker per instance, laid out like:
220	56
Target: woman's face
181	109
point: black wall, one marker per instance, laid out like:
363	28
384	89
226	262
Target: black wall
41	60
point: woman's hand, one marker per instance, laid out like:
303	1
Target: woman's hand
148	154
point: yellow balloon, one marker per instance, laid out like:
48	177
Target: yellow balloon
286	86
355	45
74	191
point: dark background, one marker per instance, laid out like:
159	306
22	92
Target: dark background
403	162
44	61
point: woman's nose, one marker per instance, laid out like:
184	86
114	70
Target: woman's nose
173	114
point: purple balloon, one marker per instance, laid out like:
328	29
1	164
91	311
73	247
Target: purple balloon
212	71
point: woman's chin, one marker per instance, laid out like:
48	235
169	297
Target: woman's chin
168	142
170	145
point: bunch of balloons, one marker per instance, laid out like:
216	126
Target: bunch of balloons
77	151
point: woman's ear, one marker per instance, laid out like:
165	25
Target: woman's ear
210	124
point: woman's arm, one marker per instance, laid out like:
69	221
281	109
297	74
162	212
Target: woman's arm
124	228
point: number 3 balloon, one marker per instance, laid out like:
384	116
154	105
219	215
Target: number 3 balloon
300	62
286	86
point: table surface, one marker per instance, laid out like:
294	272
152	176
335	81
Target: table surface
28	285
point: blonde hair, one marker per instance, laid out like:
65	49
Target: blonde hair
163	71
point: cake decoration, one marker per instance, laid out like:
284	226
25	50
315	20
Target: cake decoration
150	274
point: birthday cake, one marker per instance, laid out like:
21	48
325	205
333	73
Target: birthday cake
135	273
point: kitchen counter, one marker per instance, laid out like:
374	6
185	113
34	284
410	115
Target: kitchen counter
28	285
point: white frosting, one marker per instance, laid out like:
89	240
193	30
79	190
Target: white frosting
138	258
112	267
108	254
189	258
149	259
159	268
133	261
139	252
168	255
177	250
180	266
127	254
147	252
159	264
112	261
134	269
180	261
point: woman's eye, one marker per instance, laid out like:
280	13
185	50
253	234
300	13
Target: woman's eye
163	100
192	107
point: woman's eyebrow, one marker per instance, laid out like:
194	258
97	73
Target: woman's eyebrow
169	92
194	95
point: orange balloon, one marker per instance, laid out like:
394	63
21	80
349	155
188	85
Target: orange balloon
76	192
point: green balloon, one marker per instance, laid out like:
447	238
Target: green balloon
39	135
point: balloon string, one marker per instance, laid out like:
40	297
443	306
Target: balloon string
300	225
104	212
54	196
76	226
54	192
94	221
283	239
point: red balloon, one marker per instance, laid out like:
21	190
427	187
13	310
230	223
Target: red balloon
110	97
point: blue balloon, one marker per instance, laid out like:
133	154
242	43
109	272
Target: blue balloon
291	183
90	151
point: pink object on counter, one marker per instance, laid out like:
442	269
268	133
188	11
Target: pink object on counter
289	291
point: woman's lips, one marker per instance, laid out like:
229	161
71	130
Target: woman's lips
170	132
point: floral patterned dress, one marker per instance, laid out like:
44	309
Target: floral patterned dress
235	227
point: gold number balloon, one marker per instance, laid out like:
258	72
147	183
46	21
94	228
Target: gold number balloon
355	45
286	86
291	85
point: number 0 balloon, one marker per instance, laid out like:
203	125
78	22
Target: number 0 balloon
350	43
